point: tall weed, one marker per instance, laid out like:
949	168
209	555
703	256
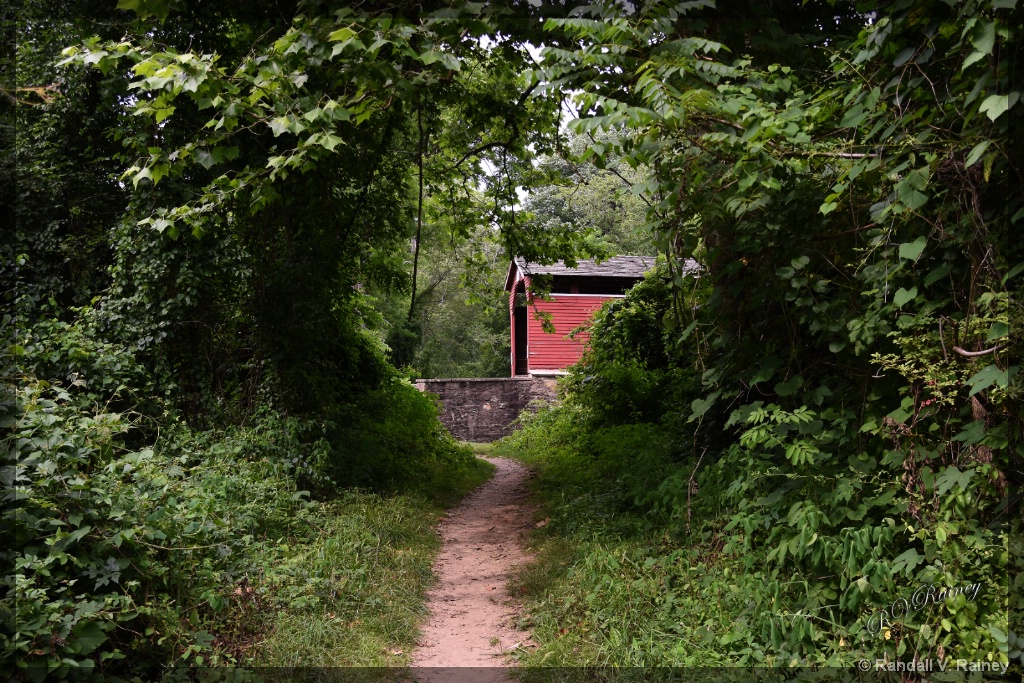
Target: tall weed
779	533
132	543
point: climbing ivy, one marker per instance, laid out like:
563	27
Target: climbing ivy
851	196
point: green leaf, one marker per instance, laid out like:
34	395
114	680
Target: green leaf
448	60
329	142
976	153
768	367
905	411
279	125
971	434
912	250
790	386
819	394
162	113
827	208
1014	272
984	37
913	199
87	636
204	158
998	331
936	275
158	172
854	117
995	105
907	561
986	377
997	633
144	173
904	56
702	405
902	296
341	34
950	477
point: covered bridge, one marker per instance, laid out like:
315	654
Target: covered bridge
575	294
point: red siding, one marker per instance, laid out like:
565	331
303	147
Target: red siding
552	351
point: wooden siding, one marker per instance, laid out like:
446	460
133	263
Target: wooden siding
512	328
552	351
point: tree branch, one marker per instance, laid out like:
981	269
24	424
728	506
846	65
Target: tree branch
491	145
477	150
975	354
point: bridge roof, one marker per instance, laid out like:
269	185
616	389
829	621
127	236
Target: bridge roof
614	267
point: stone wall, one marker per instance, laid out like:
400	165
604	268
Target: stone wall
483	410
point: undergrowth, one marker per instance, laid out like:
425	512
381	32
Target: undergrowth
134	544
372	557
613	586
617	584
480	448
781	535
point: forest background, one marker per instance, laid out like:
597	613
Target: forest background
239	230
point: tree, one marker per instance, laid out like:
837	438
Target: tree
270	185
197	339
851	195
602	202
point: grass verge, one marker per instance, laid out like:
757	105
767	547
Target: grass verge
610	587
481	448
363	569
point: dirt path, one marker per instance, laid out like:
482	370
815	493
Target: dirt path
472	622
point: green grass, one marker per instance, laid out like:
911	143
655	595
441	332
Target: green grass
481	448
610	587
358	596
606	600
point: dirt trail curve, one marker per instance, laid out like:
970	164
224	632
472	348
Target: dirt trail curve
472	621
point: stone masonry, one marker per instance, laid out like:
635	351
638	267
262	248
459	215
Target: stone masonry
483	410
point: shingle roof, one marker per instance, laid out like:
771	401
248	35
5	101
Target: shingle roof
616	266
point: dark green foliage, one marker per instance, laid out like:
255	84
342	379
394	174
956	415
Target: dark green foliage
856	343
194	368
130	553
631	369
214	210
669	546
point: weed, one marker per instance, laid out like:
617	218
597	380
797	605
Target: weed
480	448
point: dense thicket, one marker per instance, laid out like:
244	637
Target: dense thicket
832	407
214	207
221	218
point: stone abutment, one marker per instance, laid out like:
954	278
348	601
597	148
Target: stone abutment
483	410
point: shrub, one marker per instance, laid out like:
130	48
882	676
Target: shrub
132	542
